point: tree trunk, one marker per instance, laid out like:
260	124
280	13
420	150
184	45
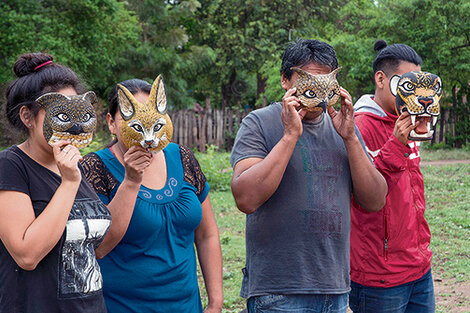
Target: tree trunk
227	92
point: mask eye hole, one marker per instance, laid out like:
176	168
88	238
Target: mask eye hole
331	94
309	94
408	86
63	117
137	128
86	117
157	127
437	88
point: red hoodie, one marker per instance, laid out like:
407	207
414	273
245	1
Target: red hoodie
389	247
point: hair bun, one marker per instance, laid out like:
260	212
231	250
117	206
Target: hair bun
26	63
379	45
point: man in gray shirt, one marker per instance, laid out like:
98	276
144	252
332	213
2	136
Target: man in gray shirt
294	175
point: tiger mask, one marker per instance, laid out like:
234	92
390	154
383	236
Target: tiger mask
145	124
418	93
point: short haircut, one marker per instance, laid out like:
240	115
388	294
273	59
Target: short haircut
304	51
389	57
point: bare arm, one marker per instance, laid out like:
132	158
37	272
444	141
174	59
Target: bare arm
29	239
136	160
210	257
254	179
369	186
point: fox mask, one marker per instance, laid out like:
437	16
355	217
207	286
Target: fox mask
145	124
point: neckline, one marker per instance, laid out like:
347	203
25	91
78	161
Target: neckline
121	167
36	163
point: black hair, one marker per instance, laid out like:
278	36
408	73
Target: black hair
389	57
304	51
133	85
35	80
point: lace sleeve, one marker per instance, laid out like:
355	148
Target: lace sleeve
98	175
192	170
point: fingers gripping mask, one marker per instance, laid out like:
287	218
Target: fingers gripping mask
418	93
145	124
70	118
316	92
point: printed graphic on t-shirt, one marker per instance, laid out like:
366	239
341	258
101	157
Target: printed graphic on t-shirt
324	215
79	270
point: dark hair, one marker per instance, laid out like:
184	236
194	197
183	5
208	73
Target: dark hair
389	57
304	51
133	85
35	80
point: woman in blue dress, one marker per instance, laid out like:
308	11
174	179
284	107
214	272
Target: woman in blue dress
162	200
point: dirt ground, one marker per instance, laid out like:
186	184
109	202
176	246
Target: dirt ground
452	296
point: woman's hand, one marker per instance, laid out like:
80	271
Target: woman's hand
67	158
136	160
212	309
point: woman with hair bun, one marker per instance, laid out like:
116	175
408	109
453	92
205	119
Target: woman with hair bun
51	220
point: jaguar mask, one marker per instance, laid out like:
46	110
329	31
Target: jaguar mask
418	93
316	92
71	118
145	124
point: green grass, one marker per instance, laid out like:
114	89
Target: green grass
444	154
447	191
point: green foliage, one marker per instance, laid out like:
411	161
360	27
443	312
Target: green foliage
216	168
86	35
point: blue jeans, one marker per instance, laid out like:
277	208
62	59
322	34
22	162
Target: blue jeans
298	303
413	297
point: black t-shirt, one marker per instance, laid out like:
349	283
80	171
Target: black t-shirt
68	278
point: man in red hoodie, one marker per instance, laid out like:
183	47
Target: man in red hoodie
390	255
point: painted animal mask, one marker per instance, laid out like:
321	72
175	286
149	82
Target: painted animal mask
70	118
316	92
418	93
145	124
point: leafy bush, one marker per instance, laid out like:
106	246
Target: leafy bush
216	167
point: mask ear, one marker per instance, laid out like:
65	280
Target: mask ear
302	74
335	72
394	84
157	95
126	103
47	98
90	96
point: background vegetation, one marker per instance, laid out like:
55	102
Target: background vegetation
227	52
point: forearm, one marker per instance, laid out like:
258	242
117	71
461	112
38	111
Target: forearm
255	185
369	186
47	229
210	260
121	209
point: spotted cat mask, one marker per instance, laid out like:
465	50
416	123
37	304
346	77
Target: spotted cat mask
418	93
70	118
316	92
145	124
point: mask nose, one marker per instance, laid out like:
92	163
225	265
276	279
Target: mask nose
75	129
323	105
425	101
148	142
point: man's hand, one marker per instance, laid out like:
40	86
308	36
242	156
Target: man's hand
291	118
403	127
343	120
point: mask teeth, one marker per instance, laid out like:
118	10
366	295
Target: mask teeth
413	119
434	120
429	126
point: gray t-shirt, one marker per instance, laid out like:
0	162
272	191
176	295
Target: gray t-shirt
297	242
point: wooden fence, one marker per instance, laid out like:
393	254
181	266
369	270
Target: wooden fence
208	127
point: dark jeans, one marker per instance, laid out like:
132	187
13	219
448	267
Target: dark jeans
413	297
298	303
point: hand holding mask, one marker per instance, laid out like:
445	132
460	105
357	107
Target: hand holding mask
71	118
145	124
316	92
418	93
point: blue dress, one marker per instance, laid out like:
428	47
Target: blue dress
153	268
